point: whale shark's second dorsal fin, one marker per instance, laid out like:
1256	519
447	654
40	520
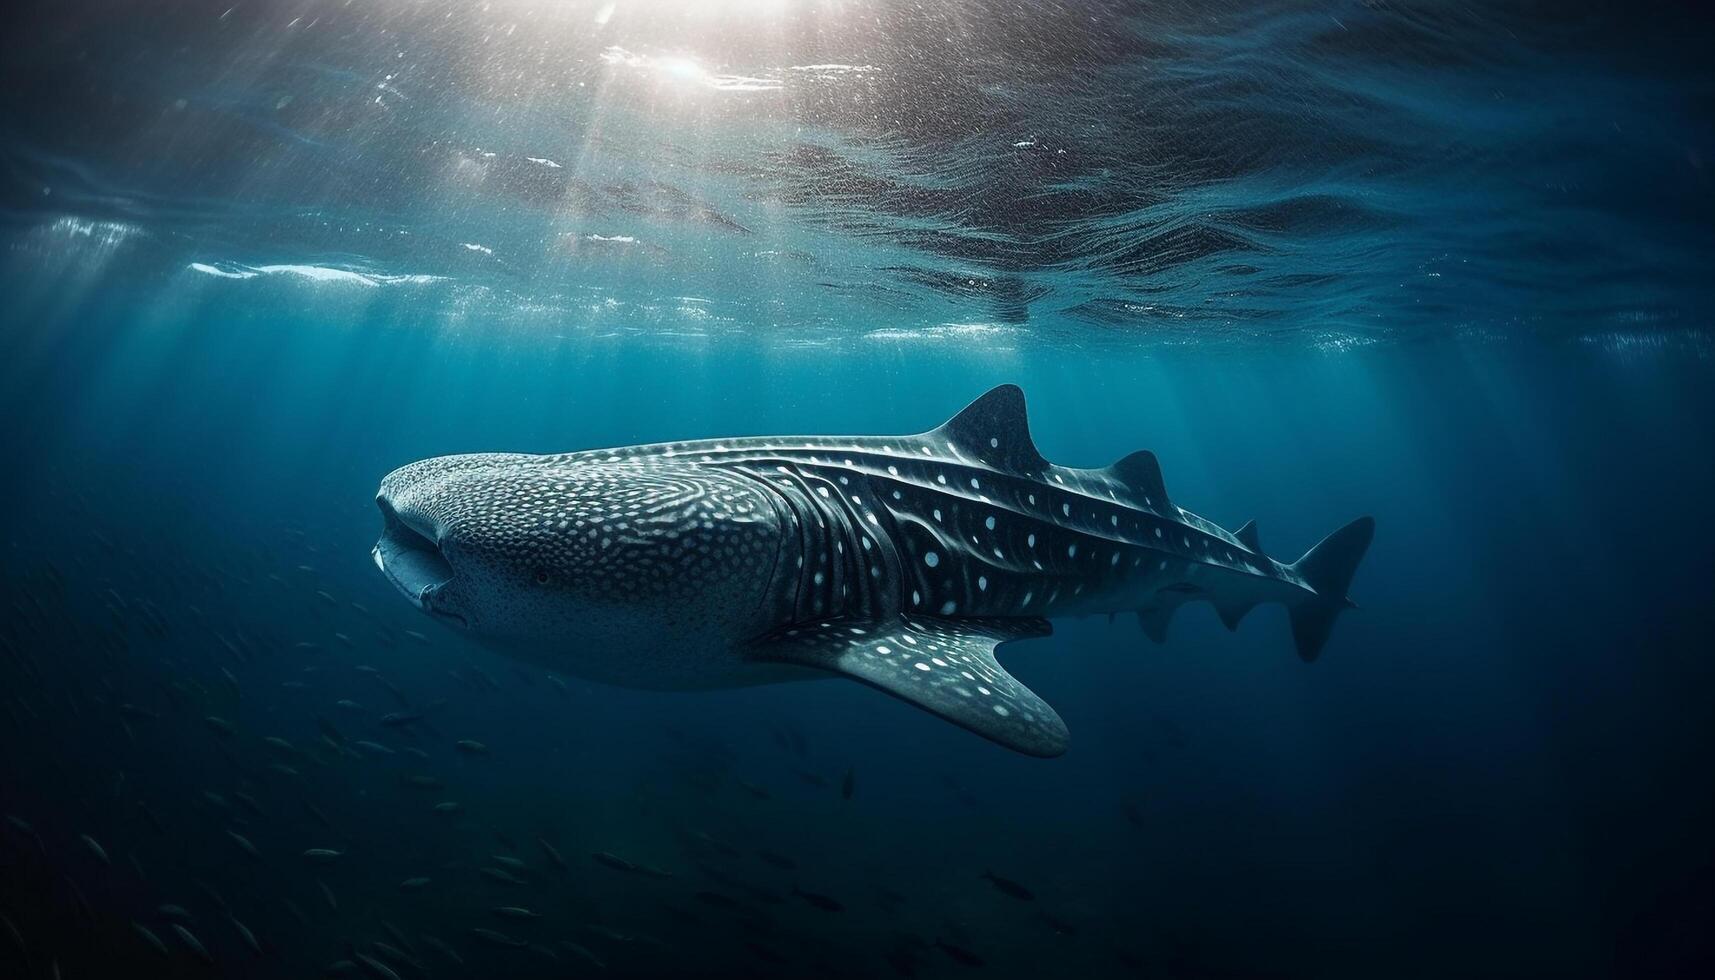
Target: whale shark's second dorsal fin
994	429
1248	537
943	666
1141	472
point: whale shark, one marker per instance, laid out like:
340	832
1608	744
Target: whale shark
902	562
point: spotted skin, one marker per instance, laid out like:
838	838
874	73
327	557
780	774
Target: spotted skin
899	561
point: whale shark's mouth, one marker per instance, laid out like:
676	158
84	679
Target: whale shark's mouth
409	557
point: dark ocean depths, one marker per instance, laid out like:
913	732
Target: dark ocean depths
1446	264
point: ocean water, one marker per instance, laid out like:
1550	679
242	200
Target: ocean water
1443	264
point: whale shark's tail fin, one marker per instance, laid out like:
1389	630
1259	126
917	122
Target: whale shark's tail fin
1327	569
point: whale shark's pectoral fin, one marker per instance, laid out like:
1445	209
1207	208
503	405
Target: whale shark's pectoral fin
944	666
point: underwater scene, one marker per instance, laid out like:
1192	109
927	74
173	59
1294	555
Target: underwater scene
856	488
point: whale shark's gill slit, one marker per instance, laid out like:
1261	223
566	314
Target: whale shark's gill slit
845	565
793	579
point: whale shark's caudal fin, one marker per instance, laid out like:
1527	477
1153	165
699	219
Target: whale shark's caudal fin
1327	569
944	666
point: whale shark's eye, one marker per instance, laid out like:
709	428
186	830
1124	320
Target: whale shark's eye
541	576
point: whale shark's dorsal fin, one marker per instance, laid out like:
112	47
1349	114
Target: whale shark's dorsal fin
1248	537
1141	471
943	666
994	428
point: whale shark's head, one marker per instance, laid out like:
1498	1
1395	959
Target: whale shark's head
581	555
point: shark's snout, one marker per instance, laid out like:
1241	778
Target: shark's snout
409	554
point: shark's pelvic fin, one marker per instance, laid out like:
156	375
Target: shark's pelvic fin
1328	569
1232	613
944	666
1154	621
1141	471
994	428
1248	537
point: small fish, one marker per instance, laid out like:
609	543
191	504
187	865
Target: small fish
398	695
959	954
707	840
508	861
471	746
375	747
316	812
245	934
192	943
176	912
609	933
1059	925
396	719
583	953
753	789
394	953
545	952
765	954
95	848
423	782
777	860
441	947
244	844
502	875
515	912
220	726
553	855
412	884
153	940
1009	887
348	704
498	938
16	936
849	783
822	902
322	854
621	864
448	806
376	967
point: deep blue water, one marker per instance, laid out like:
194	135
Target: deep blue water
1442	264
